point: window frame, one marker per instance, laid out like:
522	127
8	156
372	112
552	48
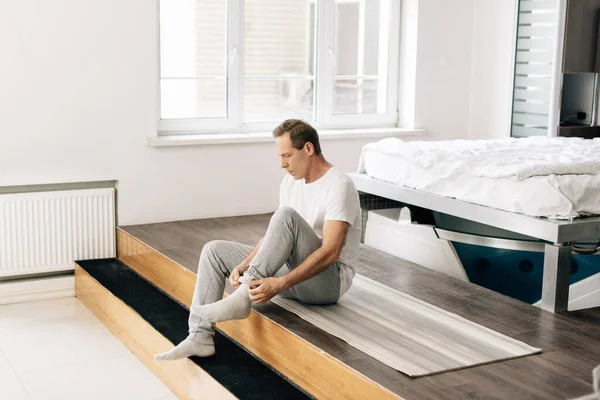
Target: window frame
324	45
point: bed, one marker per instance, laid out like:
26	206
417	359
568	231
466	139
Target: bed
546	190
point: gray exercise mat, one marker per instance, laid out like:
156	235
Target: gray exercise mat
405	333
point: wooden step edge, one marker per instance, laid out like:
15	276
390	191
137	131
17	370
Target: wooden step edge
315	371
185	378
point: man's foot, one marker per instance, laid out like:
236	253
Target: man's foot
236	306
186	349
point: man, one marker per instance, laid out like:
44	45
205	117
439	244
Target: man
306	254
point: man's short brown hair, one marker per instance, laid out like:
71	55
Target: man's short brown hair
301	132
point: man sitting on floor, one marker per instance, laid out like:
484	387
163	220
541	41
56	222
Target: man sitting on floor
306	254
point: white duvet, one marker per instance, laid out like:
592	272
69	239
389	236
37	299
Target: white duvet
548	177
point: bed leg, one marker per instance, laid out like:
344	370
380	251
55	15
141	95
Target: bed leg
557	271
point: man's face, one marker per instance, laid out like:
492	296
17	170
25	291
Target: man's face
295	162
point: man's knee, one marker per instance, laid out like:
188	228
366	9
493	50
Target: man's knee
285	214
211	249
213	246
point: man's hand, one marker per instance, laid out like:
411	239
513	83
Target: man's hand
236	273
266	289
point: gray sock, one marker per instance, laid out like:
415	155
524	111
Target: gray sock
185	349
236	306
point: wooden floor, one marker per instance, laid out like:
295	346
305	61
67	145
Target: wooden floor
570	342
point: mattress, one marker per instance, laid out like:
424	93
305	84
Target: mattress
542	177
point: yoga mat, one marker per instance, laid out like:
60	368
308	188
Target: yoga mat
406	333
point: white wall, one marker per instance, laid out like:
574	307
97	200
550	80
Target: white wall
492	68
79	98
443	67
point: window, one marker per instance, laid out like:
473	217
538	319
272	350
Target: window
245	65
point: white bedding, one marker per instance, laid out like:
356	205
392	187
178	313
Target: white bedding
545	177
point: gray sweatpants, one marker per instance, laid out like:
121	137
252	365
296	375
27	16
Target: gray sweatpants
288	241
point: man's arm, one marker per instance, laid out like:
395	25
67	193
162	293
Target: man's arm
334	238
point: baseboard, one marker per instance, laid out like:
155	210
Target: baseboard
35	272
26	290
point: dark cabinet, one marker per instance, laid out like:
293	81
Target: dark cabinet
587	132
581	37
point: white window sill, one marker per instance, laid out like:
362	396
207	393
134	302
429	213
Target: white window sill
264	137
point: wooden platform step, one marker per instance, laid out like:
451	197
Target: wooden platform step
315	371
148	322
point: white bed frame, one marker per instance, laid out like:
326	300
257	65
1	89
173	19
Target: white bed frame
557	236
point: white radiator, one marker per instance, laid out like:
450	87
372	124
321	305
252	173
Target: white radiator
47	231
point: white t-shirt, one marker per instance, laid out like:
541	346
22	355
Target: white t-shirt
331	197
